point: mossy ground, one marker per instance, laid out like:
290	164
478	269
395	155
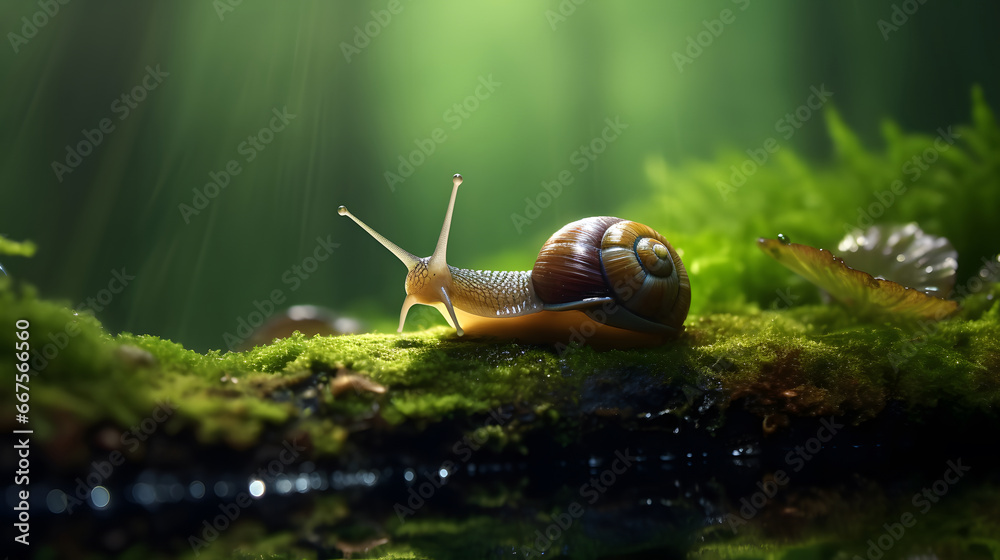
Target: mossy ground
806	361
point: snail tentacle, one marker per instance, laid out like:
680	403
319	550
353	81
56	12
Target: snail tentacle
439	258
408	258
438	277
409	302
451	310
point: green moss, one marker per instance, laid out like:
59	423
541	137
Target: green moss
843	523
71	357
805	361
23	248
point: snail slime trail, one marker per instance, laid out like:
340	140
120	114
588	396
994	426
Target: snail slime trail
590	264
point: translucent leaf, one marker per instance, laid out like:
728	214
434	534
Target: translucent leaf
855	288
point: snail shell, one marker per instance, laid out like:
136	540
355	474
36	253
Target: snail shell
607	257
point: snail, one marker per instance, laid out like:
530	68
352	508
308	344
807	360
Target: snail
600	280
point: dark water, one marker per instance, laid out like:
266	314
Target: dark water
664	489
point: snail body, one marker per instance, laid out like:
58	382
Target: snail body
600	280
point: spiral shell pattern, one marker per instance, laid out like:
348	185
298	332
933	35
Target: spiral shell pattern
645	273
604	256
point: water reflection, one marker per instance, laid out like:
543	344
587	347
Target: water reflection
599	503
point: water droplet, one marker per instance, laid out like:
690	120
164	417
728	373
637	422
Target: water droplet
784	239
283	485
56	500
301	483
100	497
315	481
197	489
143	494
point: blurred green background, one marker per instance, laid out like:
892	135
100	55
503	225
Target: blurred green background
362	99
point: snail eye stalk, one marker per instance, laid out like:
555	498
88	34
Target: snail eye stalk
409	259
